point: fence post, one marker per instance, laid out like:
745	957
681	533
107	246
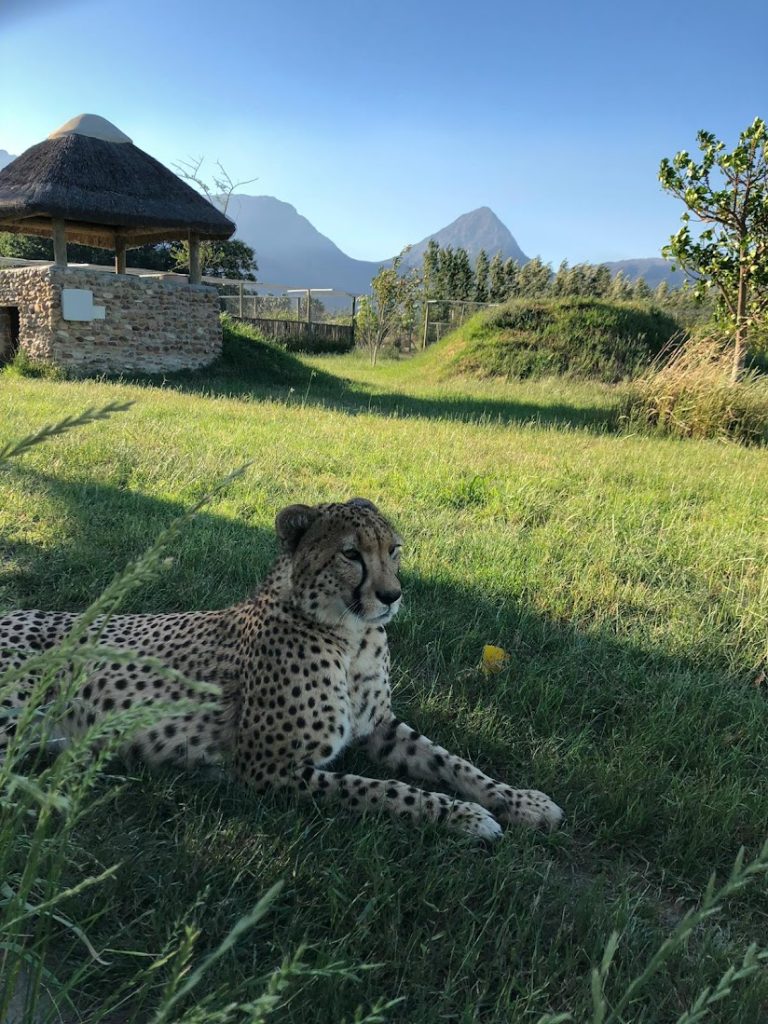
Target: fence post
241	289
426	324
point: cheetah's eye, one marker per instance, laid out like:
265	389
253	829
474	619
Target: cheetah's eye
394	551
352	554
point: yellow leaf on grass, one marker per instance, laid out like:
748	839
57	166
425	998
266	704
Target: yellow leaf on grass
494	659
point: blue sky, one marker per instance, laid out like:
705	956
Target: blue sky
382	123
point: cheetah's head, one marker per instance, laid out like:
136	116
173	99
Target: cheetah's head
344	561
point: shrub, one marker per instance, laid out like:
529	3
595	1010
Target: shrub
23	366
310	342
313	345
574	336
692	395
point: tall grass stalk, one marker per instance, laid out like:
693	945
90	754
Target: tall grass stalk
691	394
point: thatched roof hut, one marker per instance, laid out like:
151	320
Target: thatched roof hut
87	182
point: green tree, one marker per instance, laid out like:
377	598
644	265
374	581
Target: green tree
481	276
430	270
232	259
661	293
533	278
602	280
728	193
580	279
621	287
497	281
463	276
511	277
25	247
561	282
446	273
641	292
30	247
389	310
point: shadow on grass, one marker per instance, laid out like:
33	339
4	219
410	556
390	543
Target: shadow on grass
616	729
260	371
218	560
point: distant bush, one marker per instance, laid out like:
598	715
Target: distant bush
577	337
23	366
271	331
692	395
313	345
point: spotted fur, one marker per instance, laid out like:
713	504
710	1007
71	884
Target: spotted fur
303	668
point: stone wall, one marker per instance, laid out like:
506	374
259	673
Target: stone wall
151	325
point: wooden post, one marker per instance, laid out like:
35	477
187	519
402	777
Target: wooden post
354	309
194	259
59	243
426	325
119	254
298	308
309	307
241	288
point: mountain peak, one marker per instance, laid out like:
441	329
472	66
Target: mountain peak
475	230
481	212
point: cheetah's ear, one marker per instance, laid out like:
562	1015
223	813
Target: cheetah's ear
363	503
292	523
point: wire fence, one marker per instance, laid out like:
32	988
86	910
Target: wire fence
441	316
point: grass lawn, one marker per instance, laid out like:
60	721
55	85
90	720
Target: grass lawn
626	576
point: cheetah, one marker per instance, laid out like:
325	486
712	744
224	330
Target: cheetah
301	672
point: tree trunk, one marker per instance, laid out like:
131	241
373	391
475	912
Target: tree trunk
739	353
740	347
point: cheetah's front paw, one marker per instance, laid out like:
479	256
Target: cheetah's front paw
527	807
474	820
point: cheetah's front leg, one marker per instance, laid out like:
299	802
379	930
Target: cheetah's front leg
397	745
396	798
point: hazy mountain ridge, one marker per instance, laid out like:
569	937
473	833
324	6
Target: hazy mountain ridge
290	251
654	269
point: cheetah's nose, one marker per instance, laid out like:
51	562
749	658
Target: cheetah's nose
388	597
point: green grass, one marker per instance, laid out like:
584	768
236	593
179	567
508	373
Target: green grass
578	337
626	576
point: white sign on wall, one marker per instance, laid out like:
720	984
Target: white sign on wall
77	304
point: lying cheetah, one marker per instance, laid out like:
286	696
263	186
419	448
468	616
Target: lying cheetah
304	672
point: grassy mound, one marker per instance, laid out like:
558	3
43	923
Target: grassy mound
692	395
248	364
576	337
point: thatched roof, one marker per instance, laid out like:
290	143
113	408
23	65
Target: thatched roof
91	175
